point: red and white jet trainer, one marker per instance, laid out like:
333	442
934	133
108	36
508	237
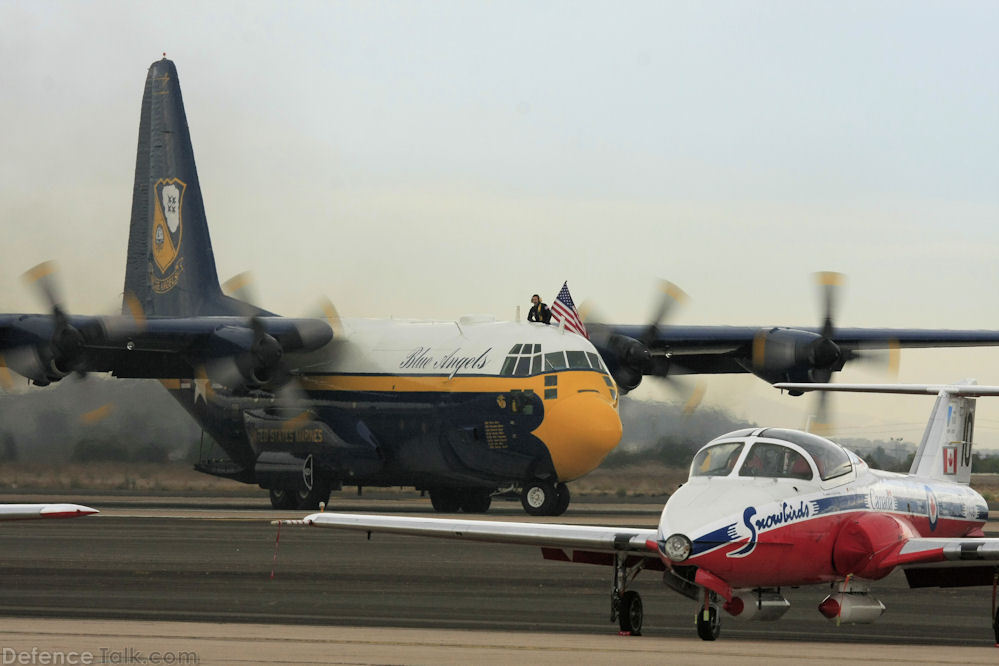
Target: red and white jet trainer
766	508
39	511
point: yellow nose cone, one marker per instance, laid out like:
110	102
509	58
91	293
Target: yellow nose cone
579	431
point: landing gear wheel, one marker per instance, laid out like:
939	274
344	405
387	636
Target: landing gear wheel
308	500
631	613
538	498
282	498
445	500
562	497
475	500
708	623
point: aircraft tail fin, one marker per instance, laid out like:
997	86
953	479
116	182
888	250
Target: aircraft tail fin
170	269
945	450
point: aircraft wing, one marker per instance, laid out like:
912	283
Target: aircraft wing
45	347
38	511
950	552
630	540
794	354
948	562
969	390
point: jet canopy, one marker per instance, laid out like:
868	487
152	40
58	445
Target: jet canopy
772	453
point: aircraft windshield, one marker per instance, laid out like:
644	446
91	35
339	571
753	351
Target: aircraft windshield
775	462
717	460
830	459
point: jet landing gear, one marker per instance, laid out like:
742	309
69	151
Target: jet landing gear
543	498
626	605
708	620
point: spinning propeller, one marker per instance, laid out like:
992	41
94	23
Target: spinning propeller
256	355
630	359
822	355
50	347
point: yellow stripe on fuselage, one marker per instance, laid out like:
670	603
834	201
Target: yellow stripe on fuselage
568	380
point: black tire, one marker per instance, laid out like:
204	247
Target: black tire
631	613
708	623
538	498
445	500
562	499
308	500
283	499
995	626
475	500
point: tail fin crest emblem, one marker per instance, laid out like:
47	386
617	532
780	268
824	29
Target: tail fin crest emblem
167	232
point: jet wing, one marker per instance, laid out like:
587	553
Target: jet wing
948	552
38	511
969	390
948	562
630	540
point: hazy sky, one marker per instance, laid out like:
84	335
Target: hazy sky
438	158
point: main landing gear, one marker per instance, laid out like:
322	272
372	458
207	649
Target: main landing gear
306	499
544	498
468	500
626	605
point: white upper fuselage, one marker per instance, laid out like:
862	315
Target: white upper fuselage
472	345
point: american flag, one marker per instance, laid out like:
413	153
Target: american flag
564	310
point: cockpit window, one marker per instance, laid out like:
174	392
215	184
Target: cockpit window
775	462
536	364
523	360
717	460
595	361
830	459
555	361
577	359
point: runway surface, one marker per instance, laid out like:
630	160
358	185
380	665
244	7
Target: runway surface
211	561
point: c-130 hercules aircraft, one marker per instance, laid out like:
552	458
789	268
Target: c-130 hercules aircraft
460	409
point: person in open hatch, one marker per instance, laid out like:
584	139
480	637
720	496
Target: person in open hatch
539	311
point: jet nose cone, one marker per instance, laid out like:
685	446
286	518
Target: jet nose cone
579	431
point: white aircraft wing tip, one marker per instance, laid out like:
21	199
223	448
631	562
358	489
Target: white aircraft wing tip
293	522
973	390
66	510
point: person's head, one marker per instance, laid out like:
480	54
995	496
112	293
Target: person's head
535	299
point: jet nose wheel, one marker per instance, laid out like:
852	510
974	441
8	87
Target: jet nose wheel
631	614
708	623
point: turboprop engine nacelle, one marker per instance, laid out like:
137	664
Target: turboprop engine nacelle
757	605
851	607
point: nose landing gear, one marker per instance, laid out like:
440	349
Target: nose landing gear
544	498
708	620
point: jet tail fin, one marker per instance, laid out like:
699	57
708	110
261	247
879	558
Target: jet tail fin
170	269
945	451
